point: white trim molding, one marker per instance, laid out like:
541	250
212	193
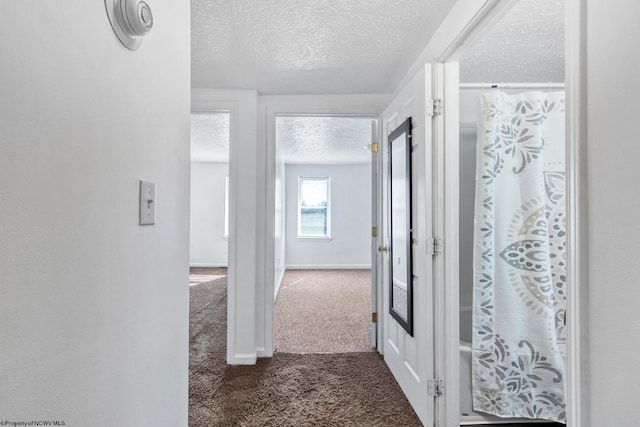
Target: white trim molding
278	284
448	359
330	267
245	359
206	265
577	218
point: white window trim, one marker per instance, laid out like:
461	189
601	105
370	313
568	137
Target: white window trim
312	237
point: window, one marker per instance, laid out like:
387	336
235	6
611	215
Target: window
314	207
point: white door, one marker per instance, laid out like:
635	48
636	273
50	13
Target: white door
411	358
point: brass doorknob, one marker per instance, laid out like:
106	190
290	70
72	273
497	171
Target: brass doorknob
382	248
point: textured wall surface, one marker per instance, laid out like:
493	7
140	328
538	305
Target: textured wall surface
527	45
316	46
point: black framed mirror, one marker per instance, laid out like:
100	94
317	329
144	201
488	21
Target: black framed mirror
400	253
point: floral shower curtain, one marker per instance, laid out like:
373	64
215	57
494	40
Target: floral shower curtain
519	341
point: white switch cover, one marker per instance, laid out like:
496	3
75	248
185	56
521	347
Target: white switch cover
147	203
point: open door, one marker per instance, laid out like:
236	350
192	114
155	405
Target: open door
409	350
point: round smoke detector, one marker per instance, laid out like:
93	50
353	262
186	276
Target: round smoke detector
131	20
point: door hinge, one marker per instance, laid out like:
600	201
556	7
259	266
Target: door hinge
434	107
374	231
374	317
435	387
374	147
434	246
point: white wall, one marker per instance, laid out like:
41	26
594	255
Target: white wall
613	66
93	307
350	243
208	245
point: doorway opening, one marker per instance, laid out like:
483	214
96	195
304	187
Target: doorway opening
209	220
323	210
512	223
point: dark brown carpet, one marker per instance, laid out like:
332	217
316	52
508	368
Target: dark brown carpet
354	389
323	311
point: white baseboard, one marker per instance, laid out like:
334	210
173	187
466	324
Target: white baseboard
330	267
206	264
262	352
243	359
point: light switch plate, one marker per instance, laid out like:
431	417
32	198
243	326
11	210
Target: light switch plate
147	203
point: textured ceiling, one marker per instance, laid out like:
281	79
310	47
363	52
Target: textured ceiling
302	140
348	46
308	47
527	45
323	140
210	137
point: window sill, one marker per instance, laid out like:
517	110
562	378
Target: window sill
315	238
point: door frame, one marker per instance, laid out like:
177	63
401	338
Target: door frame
465	23
204	102
243	213
364	106
377	321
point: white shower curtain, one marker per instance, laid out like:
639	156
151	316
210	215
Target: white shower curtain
519	342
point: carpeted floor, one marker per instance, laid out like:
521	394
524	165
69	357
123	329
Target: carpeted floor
353	389
323	311
205	274
220	271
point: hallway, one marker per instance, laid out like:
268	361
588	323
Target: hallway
323	311
349	389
